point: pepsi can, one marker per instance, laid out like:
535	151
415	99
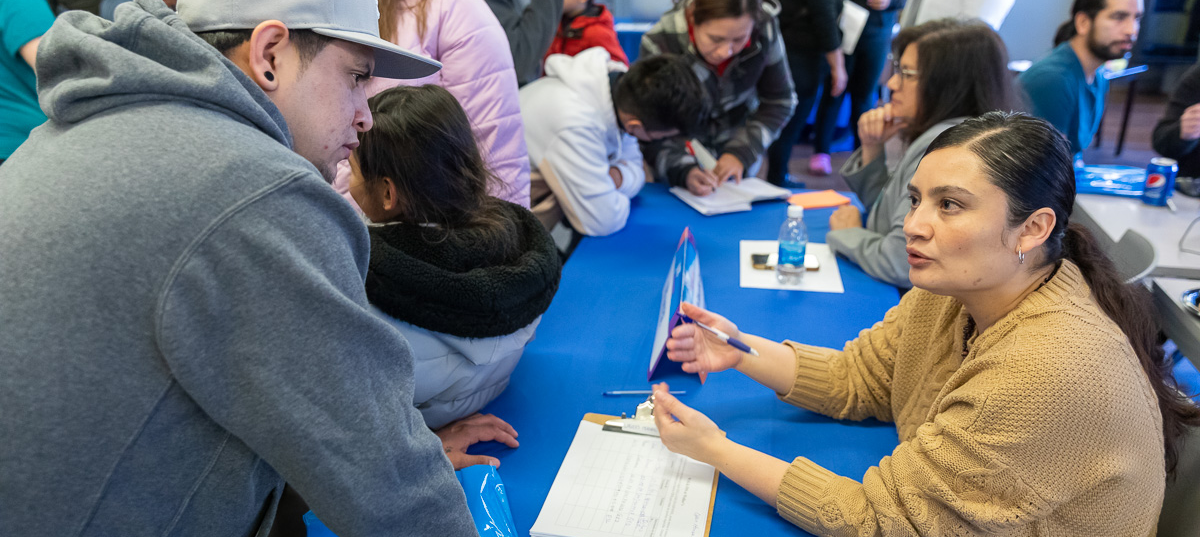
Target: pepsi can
1160	181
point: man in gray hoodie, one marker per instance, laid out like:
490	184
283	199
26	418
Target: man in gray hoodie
183	322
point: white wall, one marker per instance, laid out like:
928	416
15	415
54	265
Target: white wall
1029	29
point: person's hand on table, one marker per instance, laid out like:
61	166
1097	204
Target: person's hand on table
846	216
729	167
699	350
459	435
684	430
700	182
879	5
1189	123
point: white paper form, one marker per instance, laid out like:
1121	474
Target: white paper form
619	484
826	280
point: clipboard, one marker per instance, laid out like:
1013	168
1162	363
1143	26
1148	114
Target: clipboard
558	519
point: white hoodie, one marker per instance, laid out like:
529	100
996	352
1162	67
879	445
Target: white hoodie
573	138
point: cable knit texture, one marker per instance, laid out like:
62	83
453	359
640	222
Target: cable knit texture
477	69
1048	426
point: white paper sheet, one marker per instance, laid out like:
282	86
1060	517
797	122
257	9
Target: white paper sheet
852	22
826	280
619	484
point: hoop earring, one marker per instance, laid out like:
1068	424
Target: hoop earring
1020	257
269	76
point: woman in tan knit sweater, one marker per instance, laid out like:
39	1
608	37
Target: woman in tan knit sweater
1021	374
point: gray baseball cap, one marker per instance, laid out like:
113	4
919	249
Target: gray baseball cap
356	21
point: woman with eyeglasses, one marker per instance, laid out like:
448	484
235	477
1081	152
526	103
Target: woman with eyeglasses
944	71
1024	377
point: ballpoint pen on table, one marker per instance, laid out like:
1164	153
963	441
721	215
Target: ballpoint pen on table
615	393
732	342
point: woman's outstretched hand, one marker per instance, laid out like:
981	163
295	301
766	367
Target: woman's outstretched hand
699	350
683	429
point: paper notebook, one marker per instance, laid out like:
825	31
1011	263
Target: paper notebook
732	197
619	484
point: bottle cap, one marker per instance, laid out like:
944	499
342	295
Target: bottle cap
795	211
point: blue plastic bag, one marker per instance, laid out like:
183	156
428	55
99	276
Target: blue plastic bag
1110	179
487	501
485	498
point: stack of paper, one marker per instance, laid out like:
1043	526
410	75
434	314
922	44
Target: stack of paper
615	484
732	197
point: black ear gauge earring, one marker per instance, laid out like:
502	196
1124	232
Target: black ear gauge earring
269	76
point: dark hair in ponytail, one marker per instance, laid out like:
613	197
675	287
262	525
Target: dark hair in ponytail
1031	162
422	141
1067	29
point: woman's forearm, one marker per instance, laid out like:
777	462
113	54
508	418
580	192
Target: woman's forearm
774	367
753	470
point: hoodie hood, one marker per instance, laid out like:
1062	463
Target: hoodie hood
586	74
87	66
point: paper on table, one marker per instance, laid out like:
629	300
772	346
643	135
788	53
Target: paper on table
826	280
731	197
818	200
619	484
852	22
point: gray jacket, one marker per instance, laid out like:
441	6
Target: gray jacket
879	248
184	321
530	28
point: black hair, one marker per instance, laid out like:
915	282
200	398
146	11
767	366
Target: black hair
962	70
422	141
1030	161
1088	7
707	10
664	93
308	43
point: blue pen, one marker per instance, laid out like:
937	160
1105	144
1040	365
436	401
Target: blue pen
732	342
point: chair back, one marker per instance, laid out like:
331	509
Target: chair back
1134	256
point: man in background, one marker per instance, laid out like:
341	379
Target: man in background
1066	87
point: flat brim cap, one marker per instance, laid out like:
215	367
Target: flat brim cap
356	21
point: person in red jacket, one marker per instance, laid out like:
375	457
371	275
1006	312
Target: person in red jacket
586	24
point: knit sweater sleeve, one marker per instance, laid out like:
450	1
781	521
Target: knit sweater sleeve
1014	447
855	383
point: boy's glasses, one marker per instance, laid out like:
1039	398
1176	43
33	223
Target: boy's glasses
904	74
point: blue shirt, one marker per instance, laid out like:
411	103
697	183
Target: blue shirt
1059	92
21	21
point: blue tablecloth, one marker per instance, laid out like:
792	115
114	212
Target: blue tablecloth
597	336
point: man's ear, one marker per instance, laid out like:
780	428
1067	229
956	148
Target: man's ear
1083	23
262	55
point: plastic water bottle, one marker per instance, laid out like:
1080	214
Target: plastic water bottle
793	240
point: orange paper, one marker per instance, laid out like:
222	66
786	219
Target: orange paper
818	200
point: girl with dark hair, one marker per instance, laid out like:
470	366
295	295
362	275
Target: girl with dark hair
465	276
1021	373
476	68
945	71
738	54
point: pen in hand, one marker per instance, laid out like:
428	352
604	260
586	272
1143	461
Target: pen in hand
732	342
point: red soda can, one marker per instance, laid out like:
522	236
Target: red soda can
1160	181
